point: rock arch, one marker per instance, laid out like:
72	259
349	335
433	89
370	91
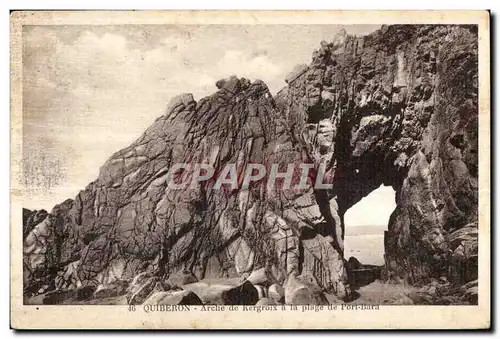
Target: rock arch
397	107
402	104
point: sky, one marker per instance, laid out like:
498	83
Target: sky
89	91
374	209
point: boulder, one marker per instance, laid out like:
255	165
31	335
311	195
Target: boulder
181	278
59	296
31	219
353	263
402	300
432	291
421	298
470	284
140	288
463	235
225	292
299	293
231	84
276	292
259	277
180	102
471	295
262	292
85	292
114	289
173	298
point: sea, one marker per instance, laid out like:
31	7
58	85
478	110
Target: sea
365	243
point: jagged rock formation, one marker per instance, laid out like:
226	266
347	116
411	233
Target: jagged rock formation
31	219
129	220
397	107
400	108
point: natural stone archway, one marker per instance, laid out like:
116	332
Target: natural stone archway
366	223
397	107
402	106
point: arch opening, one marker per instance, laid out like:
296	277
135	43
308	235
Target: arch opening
365	224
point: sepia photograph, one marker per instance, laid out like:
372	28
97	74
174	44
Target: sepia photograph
177	167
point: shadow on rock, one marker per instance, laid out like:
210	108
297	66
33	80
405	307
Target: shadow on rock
360	275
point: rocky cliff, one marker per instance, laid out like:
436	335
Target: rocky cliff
402	108
397	107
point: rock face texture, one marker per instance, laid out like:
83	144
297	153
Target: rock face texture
397	107
31	219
